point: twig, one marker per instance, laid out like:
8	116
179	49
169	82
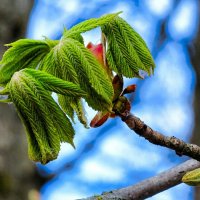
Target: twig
151	186
179	146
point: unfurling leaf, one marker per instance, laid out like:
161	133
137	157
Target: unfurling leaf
127	52
22	54
89	25
71	105
71	61
54	84
31	70
192	177
46	124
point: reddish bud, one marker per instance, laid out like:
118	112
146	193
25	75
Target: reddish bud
97	51
99	119
129	89
112	115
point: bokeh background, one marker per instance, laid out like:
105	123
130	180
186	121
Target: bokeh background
111	156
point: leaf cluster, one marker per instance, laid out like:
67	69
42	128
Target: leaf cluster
43	119
31	70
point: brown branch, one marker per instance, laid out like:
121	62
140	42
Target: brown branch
151	186
179	146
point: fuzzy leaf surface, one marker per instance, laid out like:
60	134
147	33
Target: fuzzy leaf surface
55	84
22	54
70	106
127	52
90	24
46	124
71	61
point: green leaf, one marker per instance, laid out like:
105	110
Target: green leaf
127	52
22	54
71	61
65	104
54	84
192	177
89	24
8	100
46	124
119	55
58	64
87	66
72	105
31	113
137	42
75	36
80	112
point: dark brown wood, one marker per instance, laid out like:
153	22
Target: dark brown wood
178	145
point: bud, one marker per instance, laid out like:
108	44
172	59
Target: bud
99	119
97	51
192	177
129	89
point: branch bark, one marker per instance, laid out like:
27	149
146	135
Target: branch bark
179	146
151	186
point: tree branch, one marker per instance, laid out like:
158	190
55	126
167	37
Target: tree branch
163	181
179	146
151	186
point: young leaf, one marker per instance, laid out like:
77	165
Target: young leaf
55	84
69	100
71	105
88	68
127	52
137	42
32	114
46	124
22	54
65	103
89	25
118	55
75	36
71	61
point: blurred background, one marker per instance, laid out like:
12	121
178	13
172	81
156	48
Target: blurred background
111	156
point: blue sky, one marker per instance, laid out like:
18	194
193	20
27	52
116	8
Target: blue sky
112	156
